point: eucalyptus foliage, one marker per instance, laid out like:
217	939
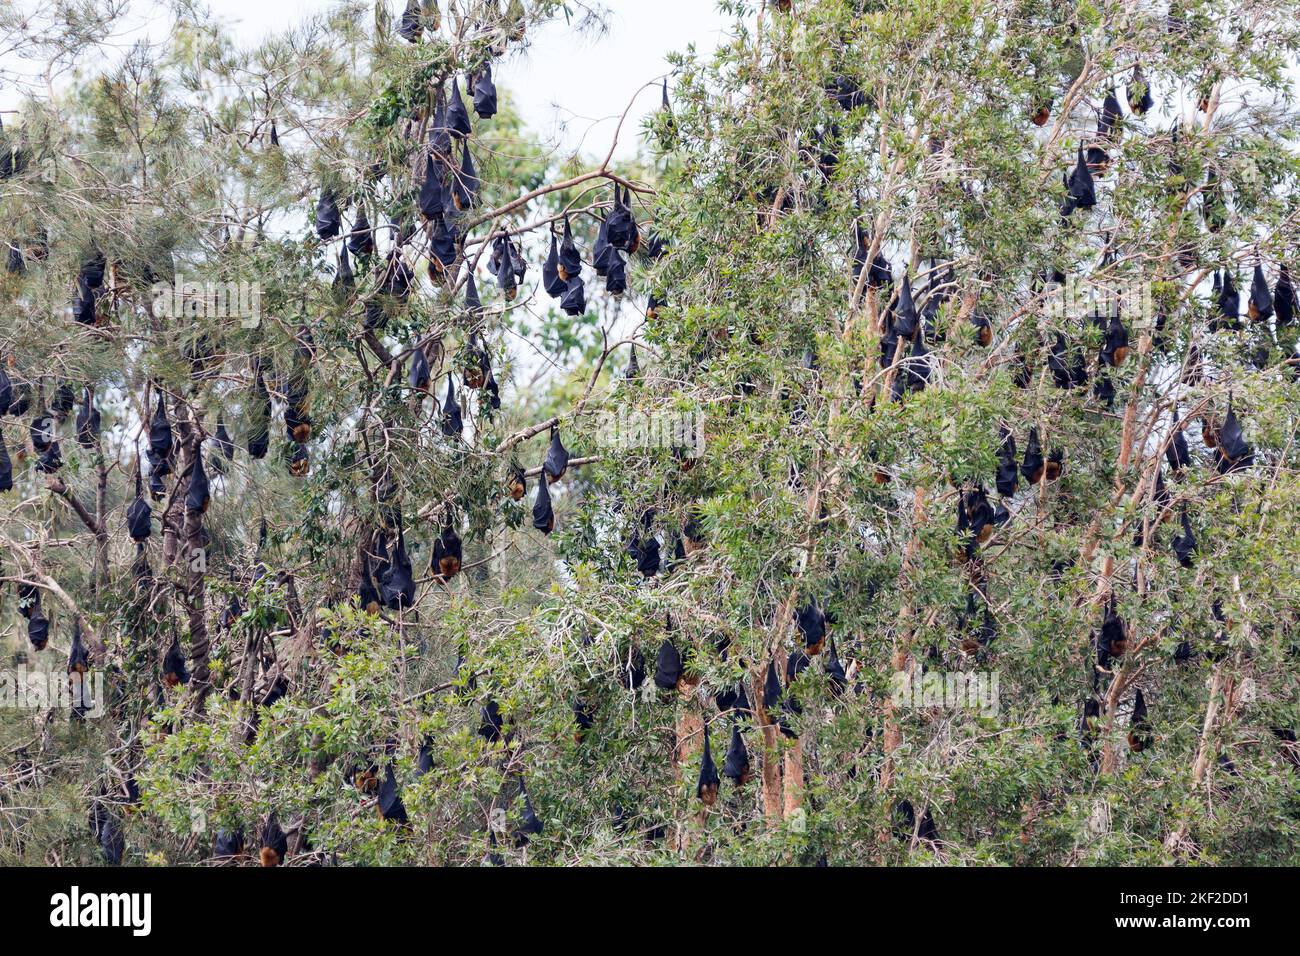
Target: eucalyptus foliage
856	239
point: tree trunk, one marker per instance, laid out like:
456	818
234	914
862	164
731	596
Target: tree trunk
773	802
900	659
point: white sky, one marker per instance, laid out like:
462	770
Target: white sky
573	88
570	89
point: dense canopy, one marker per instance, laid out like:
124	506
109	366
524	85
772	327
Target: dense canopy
895	463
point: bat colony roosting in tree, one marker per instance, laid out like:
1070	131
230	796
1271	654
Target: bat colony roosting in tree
864	222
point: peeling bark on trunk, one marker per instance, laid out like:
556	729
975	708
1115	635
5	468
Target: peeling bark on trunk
688	745
773	802
774	799
793	778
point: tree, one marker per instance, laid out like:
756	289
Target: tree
883	515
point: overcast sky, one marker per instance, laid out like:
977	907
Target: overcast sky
571	89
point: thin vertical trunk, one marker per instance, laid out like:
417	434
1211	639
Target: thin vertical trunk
1225	697
194	558
901	656
1205	748
793	778
773	801
689	743
101	520
1109	752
